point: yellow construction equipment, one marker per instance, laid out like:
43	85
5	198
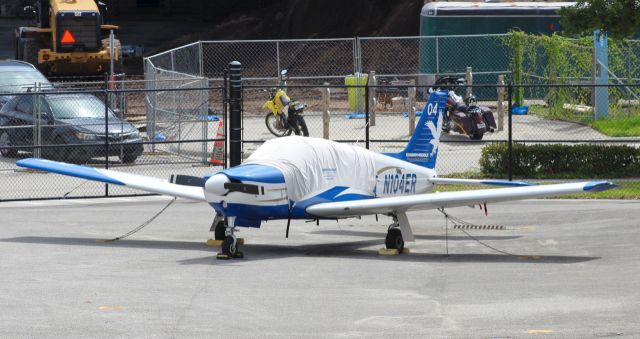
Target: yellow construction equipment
69	38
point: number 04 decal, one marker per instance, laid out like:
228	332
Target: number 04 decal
432	109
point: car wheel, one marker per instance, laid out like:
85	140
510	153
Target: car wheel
55	153
77	156
5	141
128	158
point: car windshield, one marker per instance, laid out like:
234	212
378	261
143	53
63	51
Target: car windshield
20	81
74	107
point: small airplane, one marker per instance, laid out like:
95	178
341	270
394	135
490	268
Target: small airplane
314	179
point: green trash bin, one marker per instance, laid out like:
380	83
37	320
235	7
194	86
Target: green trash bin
356	94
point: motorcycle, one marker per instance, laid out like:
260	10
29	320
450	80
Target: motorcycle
464	116
290	119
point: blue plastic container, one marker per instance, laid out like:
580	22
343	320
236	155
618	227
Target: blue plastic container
520	110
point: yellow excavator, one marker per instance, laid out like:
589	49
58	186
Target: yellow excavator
69	38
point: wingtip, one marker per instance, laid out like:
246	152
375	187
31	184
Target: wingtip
36	163
26	162
599	186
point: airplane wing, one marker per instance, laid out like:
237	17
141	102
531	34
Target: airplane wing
450	199
144	183
452	181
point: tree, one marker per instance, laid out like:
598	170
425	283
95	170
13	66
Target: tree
618	18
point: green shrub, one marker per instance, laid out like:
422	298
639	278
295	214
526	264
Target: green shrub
561	161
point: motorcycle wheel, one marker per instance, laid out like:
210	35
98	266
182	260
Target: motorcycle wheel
446	126
476	136
303	126
275	125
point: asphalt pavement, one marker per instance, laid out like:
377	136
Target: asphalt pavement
553	268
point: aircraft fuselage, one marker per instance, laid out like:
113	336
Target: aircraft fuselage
393	177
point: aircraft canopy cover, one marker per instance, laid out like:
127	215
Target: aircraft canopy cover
311	165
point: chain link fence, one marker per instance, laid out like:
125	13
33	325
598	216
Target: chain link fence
388	126
322	60
174	120
69	126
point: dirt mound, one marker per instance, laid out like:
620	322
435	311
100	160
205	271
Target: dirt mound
283	19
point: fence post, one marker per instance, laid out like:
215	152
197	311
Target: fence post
372	97
37	126
500	102
437	57
468	78
411	93
106	128
601	61
111	52
366	113
201	58
225	115
510	106
326	102
235	111
278	58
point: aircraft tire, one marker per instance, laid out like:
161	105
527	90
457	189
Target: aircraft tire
219	233
394	239
229	247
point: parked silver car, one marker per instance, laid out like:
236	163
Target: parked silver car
18	77
77	120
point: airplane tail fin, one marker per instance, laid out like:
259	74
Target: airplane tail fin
422	148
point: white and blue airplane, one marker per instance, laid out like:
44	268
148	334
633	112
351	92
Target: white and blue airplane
313	179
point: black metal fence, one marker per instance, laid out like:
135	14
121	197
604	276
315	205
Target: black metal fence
185	130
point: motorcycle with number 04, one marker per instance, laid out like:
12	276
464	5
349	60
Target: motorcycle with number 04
285	116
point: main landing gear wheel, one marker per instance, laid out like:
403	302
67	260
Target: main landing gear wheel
394	240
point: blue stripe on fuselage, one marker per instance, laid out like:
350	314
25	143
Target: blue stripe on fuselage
252	213
330	195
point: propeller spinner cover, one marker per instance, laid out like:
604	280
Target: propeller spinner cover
215	184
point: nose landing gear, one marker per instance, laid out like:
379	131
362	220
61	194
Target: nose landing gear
224	231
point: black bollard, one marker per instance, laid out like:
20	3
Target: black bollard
235	113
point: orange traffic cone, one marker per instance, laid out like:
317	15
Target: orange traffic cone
217	156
